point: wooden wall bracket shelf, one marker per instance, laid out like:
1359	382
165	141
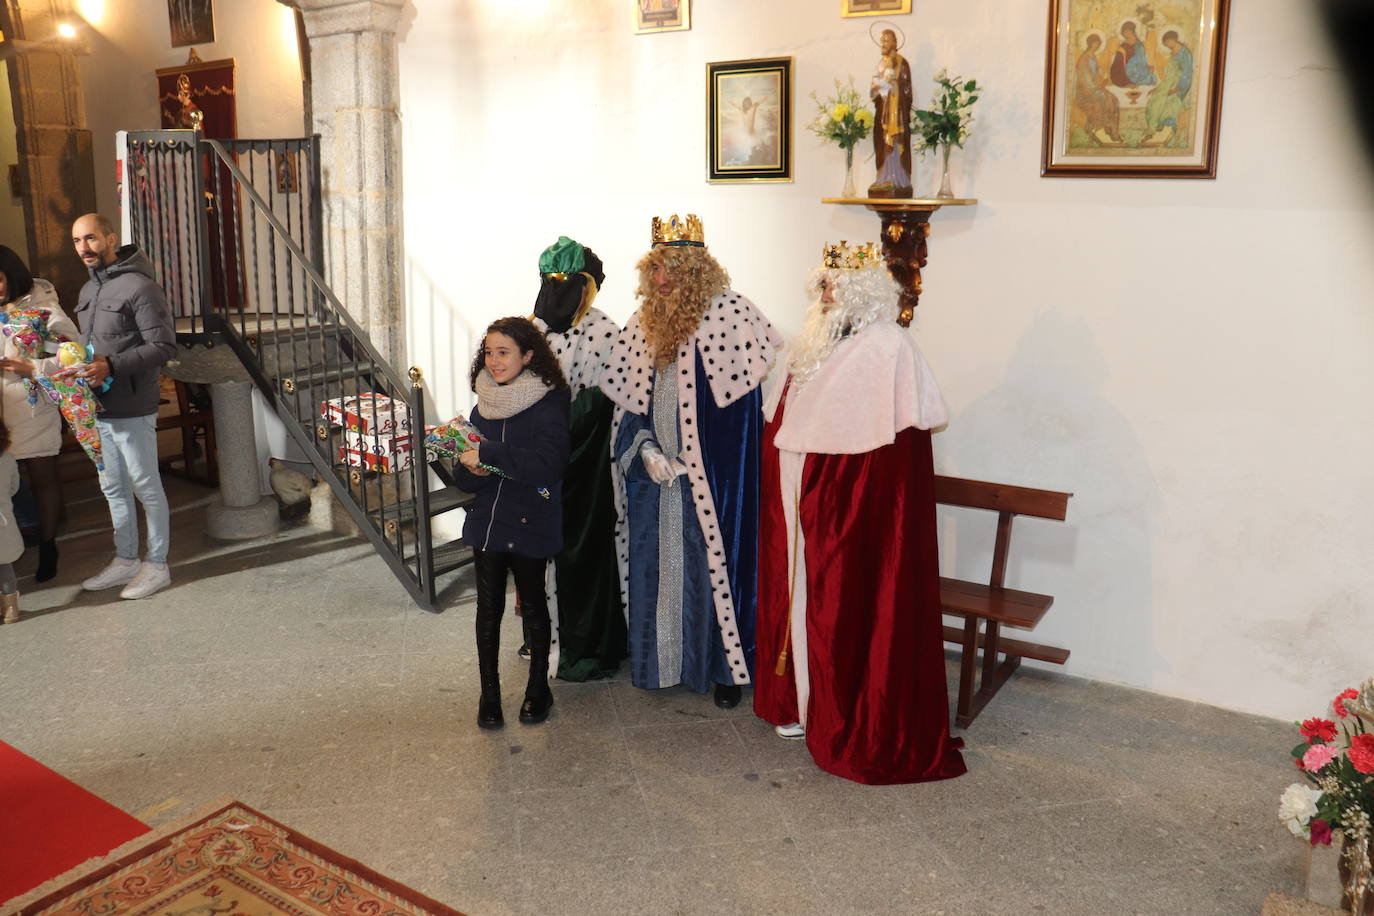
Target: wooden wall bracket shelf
906	224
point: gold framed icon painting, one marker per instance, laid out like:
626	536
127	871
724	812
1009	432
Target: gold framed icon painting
749	120
1133	89
851	8
662	16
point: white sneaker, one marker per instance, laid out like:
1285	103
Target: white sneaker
152	577
118	572
791	732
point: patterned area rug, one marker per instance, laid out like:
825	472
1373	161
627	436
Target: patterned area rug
226	860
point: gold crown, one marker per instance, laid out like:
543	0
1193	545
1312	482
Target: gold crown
848	257
674	231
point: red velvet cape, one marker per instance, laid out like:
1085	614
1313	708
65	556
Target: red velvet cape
879	707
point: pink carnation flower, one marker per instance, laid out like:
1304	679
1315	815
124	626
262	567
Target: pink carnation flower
1318	756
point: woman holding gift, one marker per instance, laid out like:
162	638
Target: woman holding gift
516	522
34	325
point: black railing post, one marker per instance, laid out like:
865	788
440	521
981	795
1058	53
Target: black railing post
419	469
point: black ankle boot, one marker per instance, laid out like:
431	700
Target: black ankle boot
47	561
728	695
538	696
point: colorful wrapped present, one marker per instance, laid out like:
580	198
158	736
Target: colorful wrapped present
452	439
372	414
74	398
28	327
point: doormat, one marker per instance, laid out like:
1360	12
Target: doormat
225	859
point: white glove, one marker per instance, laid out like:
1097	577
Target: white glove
658	466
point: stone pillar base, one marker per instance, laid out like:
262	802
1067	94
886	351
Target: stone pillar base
240	523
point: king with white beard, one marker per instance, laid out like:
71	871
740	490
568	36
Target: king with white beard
850	651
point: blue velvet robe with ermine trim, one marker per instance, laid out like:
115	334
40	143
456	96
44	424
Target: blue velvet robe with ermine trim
688	549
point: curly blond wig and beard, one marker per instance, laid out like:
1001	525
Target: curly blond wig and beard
668	321
862	297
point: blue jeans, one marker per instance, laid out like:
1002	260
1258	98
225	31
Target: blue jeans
129	447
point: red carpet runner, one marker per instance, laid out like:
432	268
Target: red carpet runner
49	824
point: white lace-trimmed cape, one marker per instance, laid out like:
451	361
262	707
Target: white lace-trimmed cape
582	350
737	345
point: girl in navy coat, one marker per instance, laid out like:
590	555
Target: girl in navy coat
516	523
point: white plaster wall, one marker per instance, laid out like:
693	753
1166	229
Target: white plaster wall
129	41
1191	358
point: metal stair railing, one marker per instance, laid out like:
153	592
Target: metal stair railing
265	297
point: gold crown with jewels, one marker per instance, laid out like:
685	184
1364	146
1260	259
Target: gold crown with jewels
675	231
851	257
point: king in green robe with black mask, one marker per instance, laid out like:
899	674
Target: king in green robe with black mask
584	586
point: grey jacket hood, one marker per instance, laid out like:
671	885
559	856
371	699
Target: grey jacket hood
129	259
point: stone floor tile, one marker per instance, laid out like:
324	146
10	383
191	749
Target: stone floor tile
878	870
587	821
426	768
632	882
747	878
688	749
548	757
713	810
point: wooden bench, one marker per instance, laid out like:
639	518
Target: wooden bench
985	609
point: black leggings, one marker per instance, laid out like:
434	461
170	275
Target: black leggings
491	567
47	493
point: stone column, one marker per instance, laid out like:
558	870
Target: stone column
355	101
242	512
54	143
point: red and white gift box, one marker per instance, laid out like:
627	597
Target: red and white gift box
372	461
370	414
386	453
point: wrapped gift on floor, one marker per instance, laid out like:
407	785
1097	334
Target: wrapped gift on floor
452	438
371	414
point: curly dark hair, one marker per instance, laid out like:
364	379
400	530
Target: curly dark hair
527	337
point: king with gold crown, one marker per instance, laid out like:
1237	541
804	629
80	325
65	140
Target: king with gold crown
685	376
849	637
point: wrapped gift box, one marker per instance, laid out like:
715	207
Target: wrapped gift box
452	439
381	444
370	414
385	464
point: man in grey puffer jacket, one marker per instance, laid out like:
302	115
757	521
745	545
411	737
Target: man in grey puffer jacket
125	319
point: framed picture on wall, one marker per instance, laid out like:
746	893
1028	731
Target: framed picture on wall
749	120
192	21
850	8
662	16
1133	89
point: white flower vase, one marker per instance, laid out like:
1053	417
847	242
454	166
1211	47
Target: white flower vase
849	174
946	187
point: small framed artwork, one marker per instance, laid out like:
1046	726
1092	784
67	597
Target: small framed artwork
1133	90
749	120
662	16
287	172
192	21
849	8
